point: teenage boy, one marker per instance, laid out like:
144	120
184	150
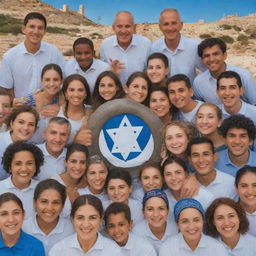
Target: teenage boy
239	133
180	94
202	157
21	68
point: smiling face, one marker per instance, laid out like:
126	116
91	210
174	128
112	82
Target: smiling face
23	168
174	176
207	121
5	107
118	191
86	222
151	178
118	228
190	224
51	82
156	212
179	94
23	127
156	70
137	90
96	177
226	222
176	140
76	93
48	206
34	31
159	104
124	29
76	165
246	190
83	54
107	88
11	219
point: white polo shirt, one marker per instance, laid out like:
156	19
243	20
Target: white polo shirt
102	196
183	60
176	246
142	229
97	67
205	86
252	221
51	164
26	195
63	229
138	246
70	246
21	70
134	57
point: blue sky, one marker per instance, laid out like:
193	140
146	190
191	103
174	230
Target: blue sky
148	10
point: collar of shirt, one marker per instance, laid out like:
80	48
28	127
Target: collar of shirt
251	214
46	153
202	243
10	185
134	42
181	46
130	242
228	161
241	111
25	51
19	245
79	70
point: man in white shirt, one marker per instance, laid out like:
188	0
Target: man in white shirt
213	53
56	136
180	50
125	51
20	70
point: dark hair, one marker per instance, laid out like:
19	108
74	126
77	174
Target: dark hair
143	75
174	159
21	109
178	78
159	55
54	67
209	43
61	121
77	148
83	40
6	197
215	107
50	184
148	164
209	216
97	100
35	15
199	140
67	81
119	174
230	74
94	201
242	171
19	146
116	208
239	122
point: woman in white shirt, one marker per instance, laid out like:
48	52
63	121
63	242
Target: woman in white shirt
226	220
47	226
86	216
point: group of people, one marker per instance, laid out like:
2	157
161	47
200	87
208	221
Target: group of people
56	199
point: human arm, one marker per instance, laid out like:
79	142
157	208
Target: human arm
190	187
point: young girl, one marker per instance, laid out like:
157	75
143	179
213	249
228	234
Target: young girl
107	87
22	160
5	108
175	174
226	220
47	225
137	87
189	216
73	177
21	124
86	216
156	227
150	177
118	222
157	68
208	120
96	175
160	104
77	97
13	241
119	188
246	189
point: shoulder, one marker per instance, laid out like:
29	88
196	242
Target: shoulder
13	51
157	43
33	243
201	77
140	228
141	38
49	46
108	40
170	243
241	71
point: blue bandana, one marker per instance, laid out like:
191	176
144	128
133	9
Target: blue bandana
184	204
155	193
